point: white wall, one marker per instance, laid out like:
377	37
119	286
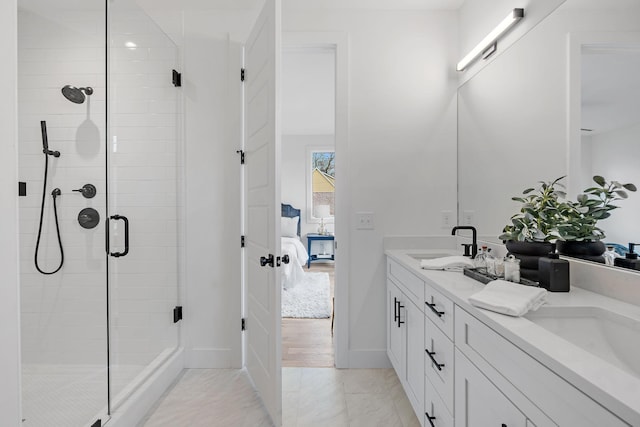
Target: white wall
9	291
295	175
308	91
401	149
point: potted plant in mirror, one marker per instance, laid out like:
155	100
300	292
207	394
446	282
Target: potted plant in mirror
532	231
578	234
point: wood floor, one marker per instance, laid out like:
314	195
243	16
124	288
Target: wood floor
308	343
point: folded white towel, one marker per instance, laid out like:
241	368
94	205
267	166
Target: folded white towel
509	298
449	263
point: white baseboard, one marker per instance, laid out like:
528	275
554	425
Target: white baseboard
210	358
142	400
360	359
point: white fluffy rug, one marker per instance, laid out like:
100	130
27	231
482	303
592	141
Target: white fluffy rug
309	298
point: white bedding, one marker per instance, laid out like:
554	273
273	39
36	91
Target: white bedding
298	256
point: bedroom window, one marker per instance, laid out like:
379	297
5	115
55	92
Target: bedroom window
322	179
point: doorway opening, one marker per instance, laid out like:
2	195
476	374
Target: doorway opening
308	188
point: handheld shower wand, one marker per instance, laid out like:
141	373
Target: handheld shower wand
45	141
55	193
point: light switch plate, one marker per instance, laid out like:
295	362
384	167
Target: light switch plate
447	219
365	221
468	217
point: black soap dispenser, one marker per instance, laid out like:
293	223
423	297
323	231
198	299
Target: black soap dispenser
554	273
630	260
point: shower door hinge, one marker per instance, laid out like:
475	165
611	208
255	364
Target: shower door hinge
242	241
241	74
177	78
98	423
241	152
244	324
177	314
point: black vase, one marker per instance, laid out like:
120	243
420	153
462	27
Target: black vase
590	251
529	253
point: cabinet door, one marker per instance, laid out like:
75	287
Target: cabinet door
478	403
415	357
396	332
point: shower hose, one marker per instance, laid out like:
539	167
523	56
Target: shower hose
56	192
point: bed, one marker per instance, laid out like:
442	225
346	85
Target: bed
291	245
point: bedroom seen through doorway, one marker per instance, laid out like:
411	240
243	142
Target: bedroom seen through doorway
308	185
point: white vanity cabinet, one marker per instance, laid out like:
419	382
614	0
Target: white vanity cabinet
478	402
458	371
405	331
396	334
439	363
545	398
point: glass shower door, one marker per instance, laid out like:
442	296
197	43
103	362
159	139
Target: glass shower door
143	202
62	128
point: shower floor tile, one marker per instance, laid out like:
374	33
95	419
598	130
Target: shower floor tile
67	395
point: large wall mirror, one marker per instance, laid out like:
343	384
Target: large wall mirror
520	117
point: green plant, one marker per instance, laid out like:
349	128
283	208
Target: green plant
539	215
595	204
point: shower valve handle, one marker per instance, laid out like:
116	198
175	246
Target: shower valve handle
88	191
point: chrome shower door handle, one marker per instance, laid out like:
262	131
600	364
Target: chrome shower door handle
126	236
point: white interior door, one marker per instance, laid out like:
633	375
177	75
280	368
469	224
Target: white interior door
262	209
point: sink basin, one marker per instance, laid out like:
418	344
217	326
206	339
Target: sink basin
603	333
428	256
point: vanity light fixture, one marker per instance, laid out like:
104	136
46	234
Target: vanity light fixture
488	43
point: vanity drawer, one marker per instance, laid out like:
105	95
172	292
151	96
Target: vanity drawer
555	397
406	280
435	408
438	362
439	309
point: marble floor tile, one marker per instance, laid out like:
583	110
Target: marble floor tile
372	410
369	381
312	397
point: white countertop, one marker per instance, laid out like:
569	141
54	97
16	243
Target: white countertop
605	383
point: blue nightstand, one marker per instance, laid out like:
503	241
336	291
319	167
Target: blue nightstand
319	237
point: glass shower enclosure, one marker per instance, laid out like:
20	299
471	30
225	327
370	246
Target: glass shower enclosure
100	206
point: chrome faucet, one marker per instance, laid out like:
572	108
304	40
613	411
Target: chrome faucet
474	244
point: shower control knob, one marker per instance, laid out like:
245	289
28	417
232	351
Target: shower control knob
88	218
87	190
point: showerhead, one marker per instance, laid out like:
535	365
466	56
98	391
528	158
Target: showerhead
75	94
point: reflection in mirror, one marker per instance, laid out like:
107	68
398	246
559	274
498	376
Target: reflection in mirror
610	128
518	122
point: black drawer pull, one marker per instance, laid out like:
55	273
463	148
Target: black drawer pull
395	309
400	306
435	362
432	306
430	418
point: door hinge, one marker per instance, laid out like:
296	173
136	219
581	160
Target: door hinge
176	78
242	241
177	313
22	189
241	74
244	324
98	423
241	152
